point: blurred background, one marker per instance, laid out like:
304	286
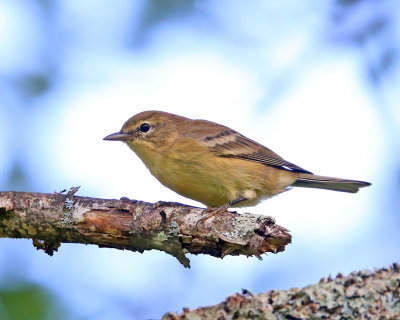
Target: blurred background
315	81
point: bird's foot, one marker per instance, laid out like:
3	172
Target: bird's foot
211	212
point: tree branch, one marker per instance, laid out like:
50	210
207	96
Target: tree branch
50	219
361	295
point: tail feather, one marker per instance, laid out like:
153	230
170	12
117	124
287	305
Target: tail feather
329	183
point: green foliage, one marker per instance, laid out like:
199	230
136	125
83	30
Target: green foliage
29	302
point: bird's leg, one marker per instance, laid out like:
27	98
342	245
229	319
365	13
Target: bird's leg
240	199
214	211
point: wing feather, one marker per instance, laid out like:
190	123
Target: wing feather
232	144
229	143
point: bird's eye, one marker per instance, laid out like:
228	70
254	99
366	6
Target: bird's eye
144	127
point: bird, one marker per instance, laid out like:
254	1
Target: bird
214	164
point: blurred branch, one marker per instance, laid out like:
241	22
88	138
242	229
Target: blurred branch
361	295
50	219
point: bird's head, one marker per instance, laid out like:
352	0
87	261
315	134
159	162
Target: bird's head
148	129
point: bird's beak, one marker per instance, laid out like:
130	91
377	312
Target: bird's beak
119	136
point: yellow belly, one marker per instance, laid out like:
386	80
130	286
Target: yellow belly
215	181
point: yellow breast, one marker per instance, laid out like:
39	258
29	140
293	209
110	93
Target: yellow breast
213	180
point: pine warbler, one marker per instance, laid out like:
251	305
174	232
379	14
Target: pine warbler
214	164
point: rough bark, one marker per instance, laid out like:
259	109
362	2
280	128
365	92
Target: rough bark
50	219
361	295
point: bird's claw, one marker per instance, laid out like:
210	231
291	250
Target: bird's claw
211	212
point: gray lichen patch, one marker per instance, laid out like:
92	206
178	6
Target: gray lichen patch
67	219
79	211
68	203
243	228
137	212
161	236
174	229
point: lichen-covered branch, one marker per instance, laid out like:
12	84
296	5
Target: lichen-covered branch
50	219
361	295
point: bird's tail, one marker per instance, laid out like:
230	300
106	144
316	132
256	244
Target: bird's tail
312	181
